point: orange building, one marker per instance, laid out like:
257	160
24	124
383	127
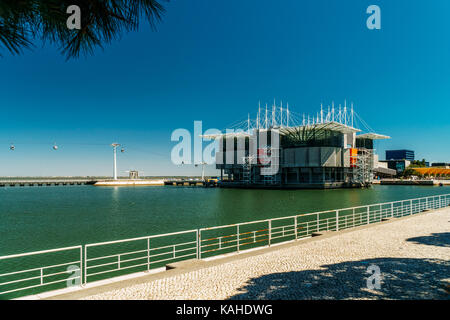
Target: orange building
432	171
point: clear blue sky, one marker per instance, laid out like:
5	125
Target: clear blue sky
213	61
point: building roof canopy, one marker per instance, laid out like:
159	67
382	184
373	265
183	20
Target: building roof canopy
333	126
372	136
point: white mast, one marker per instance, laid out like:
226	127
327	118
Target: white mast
321	113
352	114
266	124
273	116
281	114
332	111
340	114
115	145
258	117
345	112
287	113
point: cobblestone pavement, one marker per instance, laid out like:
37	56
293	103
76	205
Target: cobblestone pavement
412	256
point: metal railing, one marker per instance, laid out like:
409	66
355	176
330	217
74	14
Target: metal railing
138	254
115	258
45	268
264	233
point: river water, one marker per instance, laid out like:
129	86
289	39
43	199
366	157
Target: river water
40	218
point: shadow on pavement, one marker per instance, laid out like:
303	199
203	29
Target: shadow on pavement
401	278
435	239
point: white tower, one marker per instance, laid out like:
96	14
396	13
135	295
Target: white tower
115	145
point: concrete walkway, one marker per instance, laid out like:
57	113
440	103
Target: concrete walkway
412	254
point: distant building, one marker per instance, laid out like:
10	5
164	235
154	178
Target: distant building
441	164
397	165
400	155
133	175
433	171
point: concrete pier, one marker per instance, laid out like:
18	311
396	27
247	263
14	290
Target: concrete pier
45	182
431	182
128	182
188	182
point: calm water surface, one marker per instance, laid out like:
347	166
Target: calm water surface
39	218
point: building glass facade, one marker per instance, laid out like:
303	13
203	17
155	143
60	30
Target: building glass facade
400	155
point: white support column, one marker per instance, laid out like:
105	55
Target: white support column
115	164
115	145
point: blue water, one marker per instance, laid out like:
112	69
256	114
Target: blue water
39	218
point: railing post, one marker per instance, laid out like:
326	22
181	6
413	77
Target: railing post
81	265
318	224
118	260
199	244
368	215
237	235
295	225
270	232
353	217
410	207
85	264
392	209
337	220
42	275
148	254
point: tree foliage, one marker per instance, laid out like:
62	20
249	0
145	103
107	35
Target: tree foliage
418	164
22	22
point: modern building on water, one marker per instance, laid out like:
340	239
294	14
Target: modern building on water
278	151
